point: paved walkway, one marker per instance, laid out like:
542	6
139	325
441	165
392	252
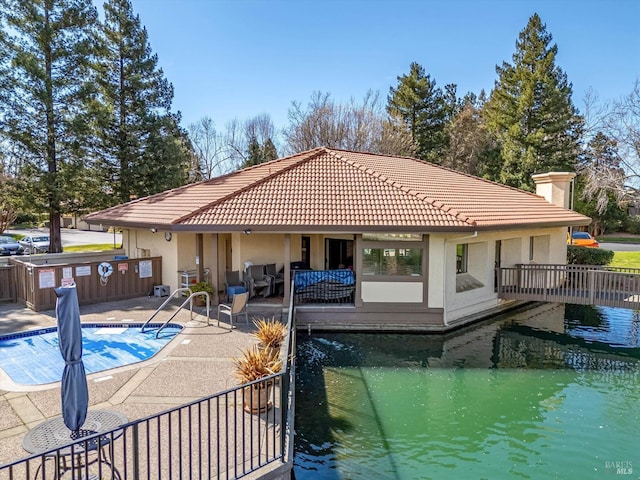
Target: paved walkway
197	363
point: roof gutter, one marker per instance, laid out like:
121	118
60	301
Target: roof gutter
473	235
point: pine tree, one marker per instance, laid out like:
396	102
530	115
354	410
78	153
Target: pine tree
46	48
142	147
422	107
531	113
269	151
254	154
257	154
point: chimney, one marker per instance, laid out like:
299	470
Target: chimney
555	187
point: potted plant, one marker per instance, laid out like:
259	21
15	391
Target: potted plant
254	365
201	286
271	334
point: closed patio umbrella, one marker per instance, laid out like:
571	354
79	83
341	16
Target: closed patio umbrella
74	391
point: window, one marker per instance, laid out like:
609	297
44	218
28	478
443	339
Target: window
462	257
539	248
392	261
531	248
393	237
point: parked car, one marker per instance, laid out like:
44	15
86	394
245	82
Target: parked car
582	239
35	243
10	246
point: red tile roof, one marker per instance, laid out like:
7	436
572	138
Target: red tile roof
329	189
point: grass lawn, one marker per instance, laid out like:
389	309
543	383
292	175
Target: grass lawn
626	260
89	248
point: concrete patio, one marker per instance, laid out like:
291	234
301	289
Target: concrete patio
195	364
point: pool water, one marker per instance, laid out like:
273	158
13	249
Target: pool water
33	358
551	392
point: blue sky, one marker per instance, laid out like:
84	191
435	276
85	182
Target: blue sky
239	58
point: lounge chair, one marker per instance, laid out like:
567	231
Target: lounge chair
232	282
237	308
257	282
277	279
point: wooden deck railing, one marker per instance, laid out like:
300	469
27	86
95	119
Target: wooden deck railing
578	284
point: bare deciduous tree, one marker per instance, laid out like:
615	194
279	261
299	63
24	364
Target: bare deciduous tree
469	140
396	138
351	126
208	145
220	152
615	134
260	128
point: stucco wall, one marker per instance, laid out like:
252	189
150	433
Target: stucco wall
138	243
392	292
260	249
549	246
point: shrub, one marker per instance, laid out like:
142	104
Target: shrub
270	332
632	224
255	364
201	287
26	219
588	256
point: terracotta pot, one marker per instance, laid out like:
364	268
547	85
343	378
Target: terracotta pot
257	397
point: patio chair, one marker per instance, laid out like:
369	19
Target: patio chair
237	308
233	283
257	282
277	279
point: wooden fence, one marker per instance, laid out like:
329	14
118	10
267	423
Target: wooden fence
130	278
7	283
578	284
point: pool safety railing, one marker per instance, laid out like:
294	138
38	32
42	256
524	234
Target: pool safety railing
189	299
215	437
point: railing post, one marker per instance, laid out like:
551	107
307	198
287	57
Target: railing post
592	284
136	451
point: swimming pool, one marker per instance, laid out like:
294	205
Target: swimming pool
33	357
547	393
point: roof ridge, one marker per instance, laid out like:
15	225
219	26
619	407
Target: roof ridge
201	182
306	156
441	167
398	185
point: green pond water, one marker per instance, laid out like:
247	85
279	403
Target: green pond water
551	392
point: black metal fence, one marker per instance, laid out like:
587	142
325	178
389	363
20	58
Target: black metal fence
214	437
323	286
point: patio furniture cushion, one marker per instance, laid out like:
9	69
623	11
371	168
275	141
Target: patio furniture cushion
234	290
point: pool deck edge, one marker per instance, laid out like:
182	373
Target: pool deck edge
168	379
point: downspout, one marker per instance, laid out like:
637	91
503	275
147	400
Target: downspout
446	270
573	191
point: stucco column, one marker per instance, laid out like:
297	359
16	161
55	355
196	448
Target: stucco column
357	269
287	268
199	258
214	276
555	187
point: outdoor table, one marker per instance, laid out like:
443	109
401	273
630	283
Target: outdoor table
54	435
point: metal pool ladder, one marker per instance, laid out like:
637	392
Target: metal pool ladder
189	299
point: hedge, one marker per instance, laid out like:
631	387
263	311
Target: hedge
588	256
